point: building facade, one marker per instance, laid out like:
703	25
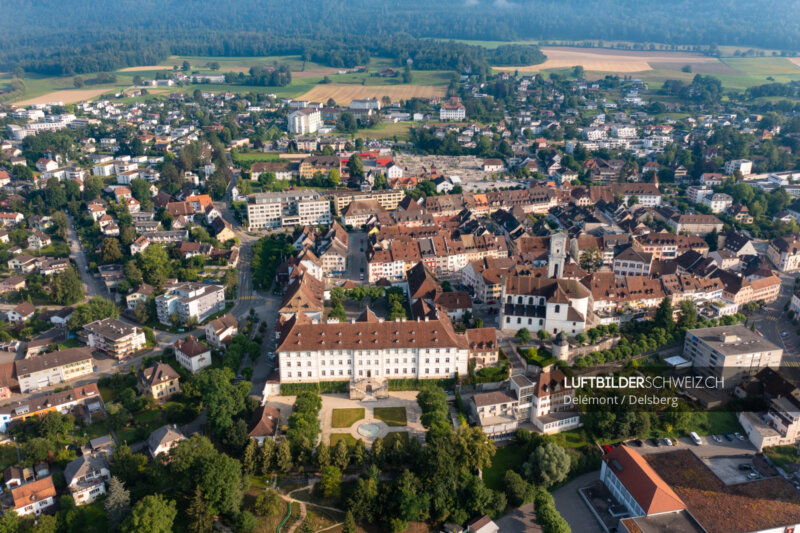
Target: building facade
189	301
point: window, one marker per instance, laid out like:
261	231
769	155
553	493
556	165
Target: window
558	308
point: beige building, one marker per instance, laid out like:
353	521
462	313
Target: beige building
114	337
221	330
389	199
53	368
159	381
784	253
730	353
289	208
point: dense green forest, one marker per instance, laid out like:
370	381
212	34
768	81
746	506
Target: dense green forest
81	36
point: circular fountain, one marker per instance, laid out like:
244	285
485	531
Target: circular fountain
369	431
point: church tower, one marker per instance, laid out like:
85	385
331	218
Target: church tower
557	256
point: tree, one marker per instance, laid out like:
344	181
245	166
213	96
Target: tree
245	522
118	501
338	312
323	455
543	335
78	82
330	482
10	521
633	200
110	250
712	239
663	317
250	458
152	514
200	519
283	457
95	309
518	491
186	66
411	499
356	166
221	398
547	465
267	456
66	288
154	264
341	455
36	449
523	336
688	319
334	177
267	503
591	260
349	523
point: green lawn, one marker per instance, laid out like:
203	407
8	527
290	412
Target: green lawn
107	394
148	417
347	437
385	130
251	157
506	458
782	455
392	416
344	418
574	438
392	436
713	423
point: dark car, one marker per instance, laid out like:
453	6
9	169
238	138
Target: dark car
654	442
728	437
637	443
745	467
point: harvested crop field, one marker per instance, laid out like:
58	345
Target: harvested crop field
752	506
795	60
600	59
146	68
343	93
315	72
68	96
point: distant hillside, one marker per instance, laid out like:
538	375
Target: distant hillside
47	35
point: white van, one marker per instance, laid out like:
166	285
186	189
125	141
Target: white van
695	438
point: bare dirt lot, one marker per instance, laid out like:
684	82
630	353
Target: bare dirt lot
68	96
344	93
600	59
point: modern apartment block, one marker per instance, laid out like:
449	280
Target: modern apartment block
53	368
289	208
190	300
730	353
304	121
114	337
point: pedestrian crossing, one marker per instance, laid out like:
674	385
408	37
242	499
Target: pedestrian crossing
792	364
770	317
248	297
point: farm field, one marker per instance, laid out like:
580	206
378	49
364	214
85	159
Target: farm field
385	130
344	93
306	76
658	66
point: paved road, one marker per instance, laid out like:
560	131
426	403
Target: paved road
93	286
709	448
572	507
356	256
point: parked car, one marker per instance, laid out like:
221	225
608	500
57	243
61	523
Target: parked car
655	442
716	438
667	442
738	436
745	466
753	475
606	448
695	438
728	437
637	443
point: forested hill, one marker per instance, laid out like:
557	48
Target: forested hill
40	33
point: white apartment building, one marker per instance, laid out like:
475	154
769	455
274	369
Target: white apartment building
744	166
729	353
366	104
623	131
371	348
718	202
697	193
288	208
304	121
114	337
453	110
190	300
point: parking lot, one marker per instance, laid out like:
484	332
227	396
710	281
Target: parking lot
708	448
733	469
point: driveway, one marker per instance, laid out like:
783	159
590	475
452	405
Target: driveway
521	520
572	507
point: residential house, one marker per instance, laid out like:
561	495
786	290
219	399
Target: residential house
221	330
164	439
34	498
192	354
264	424
21	313
86	477
114	337
53	368
160	381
